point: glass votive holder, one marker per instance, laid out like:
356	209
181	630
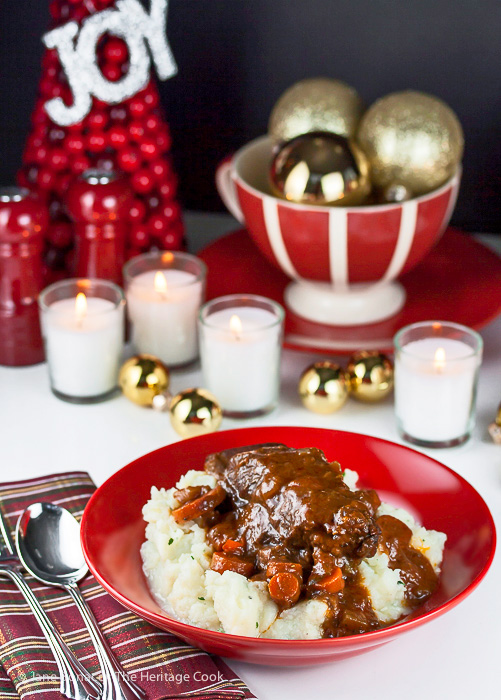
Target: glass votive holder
436	373
164	292
240	347
82	323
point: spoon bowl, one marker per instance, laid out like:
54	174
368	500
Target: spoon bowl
48	539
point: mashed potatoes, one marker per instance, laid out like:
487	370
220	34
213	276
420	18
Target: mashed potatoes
176	561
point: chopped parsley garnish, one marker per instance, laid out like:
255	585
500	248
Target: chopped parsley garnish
400	582
171	540
201	598
257	625
193	557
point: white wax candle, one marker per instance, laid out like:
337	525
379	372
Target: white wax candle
83	348
435	381
242	367
164	317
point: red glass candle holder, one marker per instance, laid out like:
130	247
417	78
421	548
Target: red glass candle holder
23	222
99	203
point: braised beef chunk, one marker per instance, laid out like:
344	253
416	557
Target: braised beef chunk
216	463
286	516
295	499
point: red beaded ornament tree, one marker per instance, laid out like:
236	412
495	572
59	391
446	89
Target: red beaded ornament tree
131	136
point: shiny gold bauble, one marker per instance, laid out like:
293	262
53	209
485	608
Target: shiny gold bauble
370	375
320	168
323	387
411	139
316	104
195	412
142	377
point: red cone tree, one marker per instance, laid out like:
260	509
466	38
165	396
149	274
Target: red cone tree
132	137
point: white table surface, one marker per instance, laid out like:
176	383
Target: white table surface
457	656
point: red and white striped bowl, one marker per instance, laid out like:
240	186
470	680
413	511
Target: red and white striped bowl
338	245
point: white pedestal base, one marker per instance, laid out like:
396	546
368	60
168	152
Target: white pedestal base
357	305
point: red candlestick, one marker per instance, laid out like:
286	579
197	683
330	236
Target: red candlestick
23	222
99	203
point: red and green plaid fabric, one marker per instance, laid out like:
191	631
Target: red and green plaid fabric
162	664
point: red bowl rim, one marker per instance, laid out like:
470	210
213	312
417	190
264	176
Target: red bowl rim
352	640
449	184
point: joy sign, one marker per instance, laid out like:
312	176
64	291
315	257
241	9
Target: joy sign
77	50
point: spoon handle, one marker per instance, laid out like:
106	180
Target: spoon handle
116	683
76	682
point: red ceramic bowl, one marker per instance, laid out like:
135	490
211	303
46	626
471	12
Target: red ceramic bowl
340	245
113	530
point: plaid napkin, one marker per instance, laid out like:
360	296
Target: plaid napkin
163	665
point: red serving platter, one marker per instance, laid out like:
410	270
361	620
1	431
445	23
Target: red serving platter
113	529
459	281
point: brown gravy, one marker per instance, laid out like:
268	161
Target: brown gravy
289	518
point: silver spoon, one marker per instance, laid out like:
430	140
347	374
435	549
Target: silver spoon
48	543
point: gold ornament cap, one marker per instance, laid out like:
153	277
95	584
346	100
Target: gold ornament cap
411	139
370	376
323	387
195	412
320	168
316	104
142	377
395	193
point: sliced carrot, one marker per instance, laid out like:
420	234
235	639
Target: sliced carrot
231	546
230	562
333	583
196	508
278	567
284	589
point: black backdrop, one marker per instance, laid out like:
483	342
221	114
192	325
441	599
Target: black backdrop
235	57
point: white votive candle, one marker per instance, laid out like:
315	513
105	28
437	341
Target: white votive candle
241	340
83	337
163	304
435	383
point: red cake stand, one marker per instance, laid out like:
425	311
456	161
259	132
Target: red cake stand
459	281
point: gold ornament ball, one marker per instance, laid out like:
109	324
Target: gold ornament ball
320	168
195	412
316	104
142	377
323	387
411	139
370	376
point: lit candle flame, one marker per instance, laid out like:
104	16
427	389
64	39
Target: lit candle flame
80	307
439	361
235	326
160	283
